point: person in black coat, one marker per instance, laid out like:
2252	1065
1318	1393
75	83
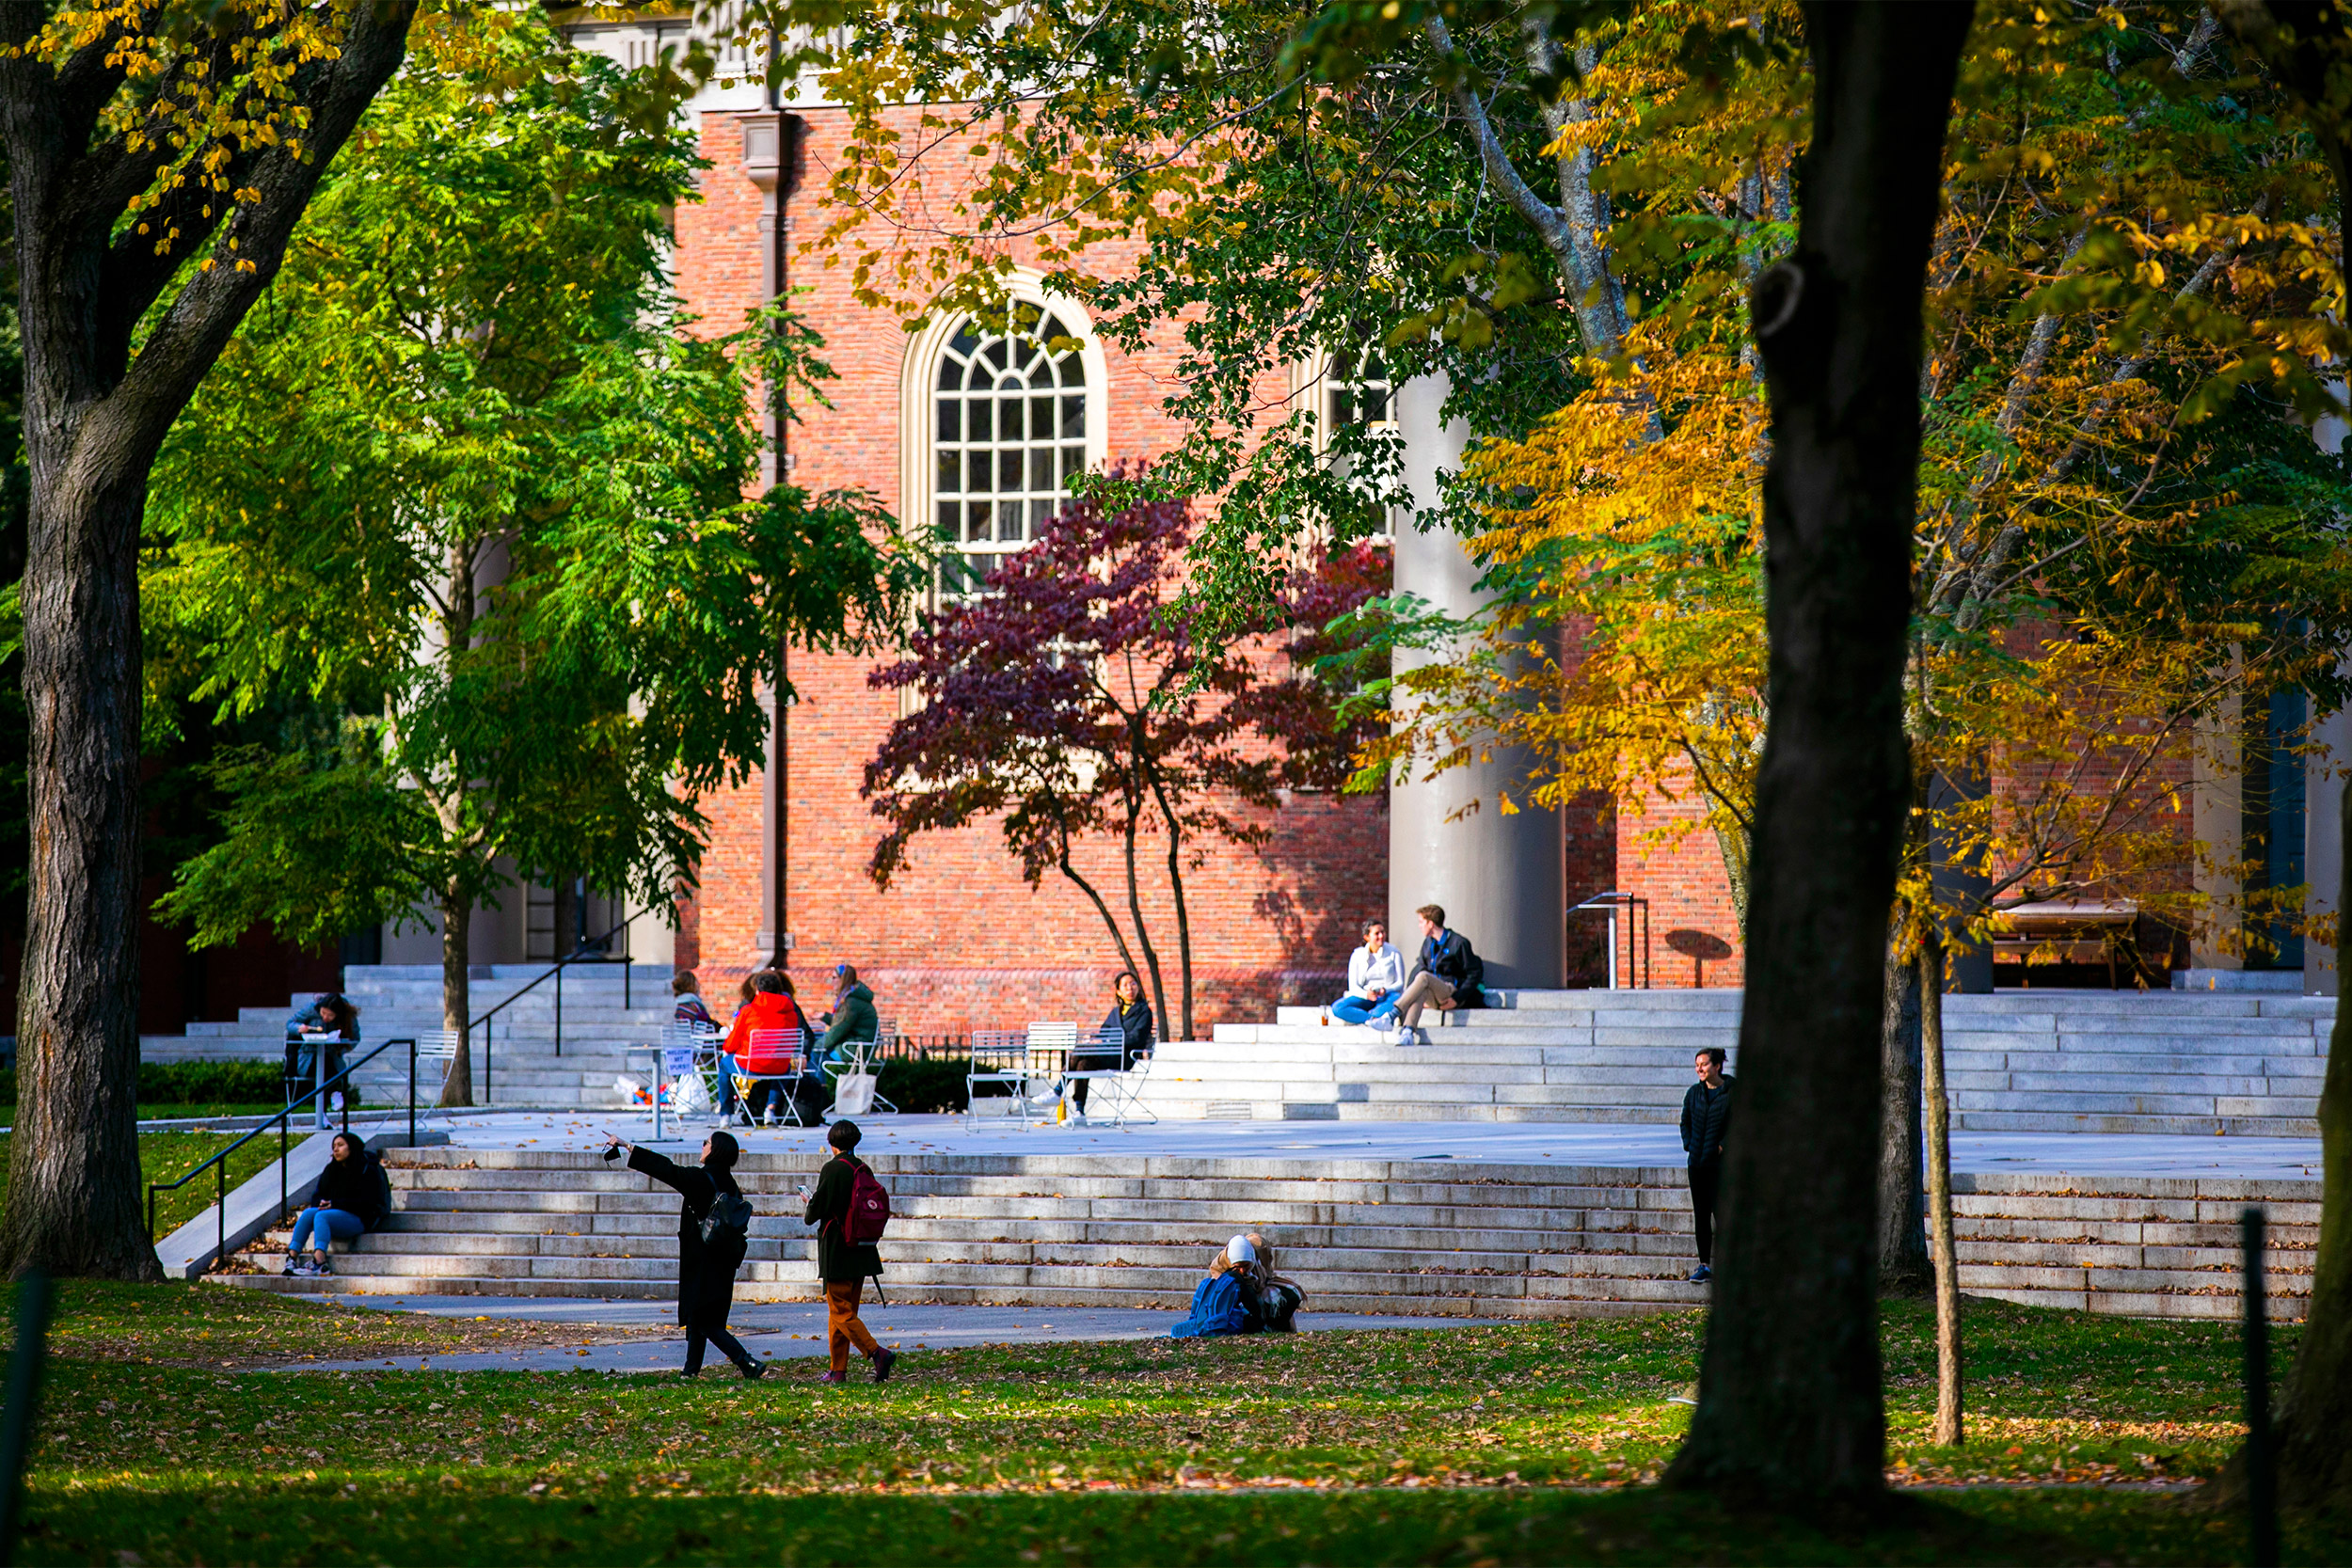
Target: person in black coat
350	1200
1447	974
845	1267
1129	1023
706	1275
1706	1123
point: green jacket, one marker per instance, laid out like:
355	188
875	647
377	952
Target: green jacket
853	1019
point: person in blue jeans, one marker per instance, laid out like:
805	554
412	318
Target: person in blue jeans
1376	976
347	1205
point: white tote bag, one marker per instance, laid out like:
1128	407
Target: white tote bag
853	1094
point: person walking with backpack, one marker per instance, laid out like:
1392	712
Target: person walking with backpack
713	1227
850	1208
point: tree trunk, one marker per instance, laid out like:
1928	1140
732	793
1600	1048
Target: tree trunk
1791	1406
74	1200
1939	1109
1904	1268
458	994
91	288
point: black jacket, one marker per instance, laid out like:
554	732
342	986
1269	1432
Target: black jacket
1134	1027
706	1277
1705	1121
1449	958
350	1185
838	1261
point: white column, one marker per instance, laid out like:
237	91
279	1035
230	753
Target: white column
1498	876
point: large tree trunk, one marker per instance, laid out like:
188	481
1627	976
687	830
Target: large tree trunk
457	995
95	415
1946	1251
1902	1212
1790	1407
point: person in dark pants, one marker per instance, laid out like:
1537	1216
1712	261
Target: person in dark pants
844	1268
706	1276
1130	1019
1705	1122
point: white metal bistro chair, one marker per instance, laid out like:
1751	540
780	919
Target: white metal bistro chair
999	1057
787	1047
436	1053
1113	1082
693	1048
1053	1050
859	1056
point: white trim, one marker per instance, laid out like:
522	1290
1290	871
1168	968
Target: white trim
919	371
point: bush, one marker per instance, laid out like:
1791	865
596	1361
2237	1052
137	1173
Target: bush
923	1084
194	1083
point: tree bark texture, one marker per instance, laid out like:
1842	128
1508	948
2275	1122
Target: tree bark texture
1790	1407
457	995
95	415
1904	1268
1945	1250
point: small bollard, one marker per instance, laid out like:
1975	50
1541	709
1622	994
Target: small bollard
2262	1480
17	1423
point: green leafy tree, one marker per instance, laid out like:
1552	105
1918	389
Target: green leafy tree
468	477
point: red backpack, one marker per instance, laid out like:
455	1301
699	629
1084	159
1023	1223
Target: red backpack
870	1208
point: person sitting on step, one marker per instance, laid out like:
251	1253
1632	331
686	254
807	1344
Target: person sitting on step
1278	1297
351	1200
1447	974
1375	977
1226	1302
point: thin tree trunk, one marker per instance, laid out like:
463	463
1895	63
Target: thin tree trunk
1790	1406
75	1202
1110	921
1135	913
457	993
1946	1253
1904	1268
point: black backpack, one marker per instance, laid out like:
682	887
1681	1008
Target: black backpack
727	1223
382	1185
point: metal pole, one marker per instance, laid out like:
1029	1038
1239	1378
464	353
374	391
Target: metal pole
221	1215
2262	1481
282	1150
412	1094
1612	947
656	1093
559	1004
489	1030
318	1081
16	1420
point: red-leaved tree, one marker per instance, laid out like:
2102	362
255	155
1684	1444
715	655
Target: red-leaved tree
1069	699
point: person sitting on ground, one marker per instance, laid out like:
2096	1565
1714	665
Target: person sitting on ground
852	1020
1125	1038
1278	1297
706	1270
1376	976
1227	1301
686	1003
350	1202
773	1069
1447	974
843	1266
329	1022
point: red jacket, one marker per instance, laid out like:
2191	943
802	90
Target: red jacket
766	1010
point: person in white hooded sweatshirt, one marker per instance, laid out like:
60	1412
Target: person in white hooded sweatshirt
1375	976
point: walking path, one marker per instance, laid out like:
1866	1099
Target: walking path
1499	1143
785	1330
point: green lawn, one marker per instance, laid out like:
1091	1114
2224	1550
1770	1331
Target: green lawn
1518	1444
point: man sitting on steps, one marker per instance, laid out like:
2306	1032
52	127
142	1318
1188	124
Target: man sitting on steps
1447	974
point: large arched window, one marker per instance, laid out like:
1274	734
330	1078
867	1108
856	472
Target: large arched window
999	413
1009	411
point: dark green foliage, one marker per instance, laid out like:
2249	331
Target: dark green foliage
192	1083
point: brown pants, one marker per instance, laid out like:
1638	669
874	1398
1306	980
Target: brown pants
842	1329
1427	988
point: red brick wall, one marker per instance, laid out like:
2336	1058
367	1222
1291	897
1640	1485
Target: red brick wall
959	941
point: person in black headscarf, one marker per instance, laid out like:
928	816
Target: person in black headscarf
706	1271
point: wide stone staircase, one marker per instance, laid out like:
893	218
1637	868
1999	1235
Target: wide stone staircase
2052	1061
525	1062
1417	1236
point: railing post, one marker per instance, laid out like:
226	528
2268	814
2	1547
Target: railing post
489	1033
284	1152
318	1081
559	1009
221	1215
412	1094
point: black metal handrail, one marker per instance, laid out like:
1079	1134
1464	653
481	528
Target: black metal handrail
579	955
282	1120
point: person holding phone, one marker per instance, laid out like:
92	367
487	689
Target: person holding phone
706	1272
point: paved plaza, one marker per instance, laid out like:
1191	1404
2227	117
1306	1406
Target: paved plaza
1492	1143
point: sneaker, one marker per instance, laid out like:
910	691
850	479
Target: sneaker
290	1267
1701	1274
323	1268
834	1377
883	1361
754	1368
302	1271
689	1373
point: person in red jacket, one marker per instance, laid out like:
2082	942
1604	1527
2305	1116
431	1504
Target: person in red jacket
771	1006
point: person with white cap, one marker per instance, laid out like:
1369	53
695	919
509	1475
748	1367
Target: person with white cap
1227	1301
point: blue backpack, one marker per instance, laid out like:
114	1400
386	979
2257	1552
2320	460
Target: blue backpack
1217	1309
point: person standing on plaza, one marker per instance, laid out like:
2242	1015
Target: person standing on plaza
844	1264
1375	979
706	1263
1446	974
1705	1122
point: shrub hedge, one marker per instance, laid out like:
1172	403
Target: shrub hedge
192	1083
